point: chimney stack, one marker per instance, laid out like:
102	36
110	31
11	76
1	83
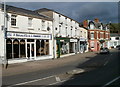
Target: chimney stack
85	23
96	20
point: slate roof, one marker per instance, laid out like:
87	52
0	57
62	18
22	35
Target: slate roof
97	25
25	12
46	9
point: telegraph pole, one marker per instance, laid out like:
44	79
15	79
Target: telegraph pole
5	28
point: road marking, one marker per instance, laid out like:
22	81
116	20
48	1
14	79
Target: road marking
31	81
58	82
106	63
57	79
111	81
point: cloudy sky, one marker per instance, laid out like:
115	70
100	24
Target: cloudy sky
105	11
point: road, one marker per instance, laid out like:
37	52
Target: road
104	75
100	70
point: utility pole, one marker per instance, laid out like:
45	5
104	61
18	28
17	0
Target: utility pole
5	28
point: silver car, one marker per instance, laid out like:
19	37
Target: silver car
104	50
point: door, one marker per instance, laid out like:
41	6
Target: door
30	50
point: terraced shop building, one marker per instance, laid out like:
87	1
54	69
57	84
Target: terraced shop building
28	35
66	33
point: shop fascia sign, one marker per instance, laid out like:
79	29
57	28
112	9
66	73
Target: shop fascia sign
73	40
82	39
28	36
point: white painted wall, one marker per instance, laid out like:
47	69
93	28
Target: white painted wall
65	23
84	33
1	34
22	25
114	42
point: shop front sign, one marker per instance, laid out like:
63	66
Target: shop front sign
25	35
73	40
82	39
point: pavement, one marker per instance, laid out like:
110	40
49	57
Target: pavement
32	66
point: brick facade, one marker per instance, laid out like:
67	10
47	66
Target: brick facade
99	34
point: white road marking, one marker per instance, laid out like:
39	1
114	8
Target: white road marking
57	79
106	63
58	82
111	81
31	81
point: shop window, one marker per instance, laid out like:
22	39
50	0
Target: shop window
22	49
9	49
13	20
71	47
38	48
16	48
42	47
115	43
47	47
64	47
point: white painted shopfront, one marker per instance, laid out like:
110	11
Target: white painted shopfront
27	46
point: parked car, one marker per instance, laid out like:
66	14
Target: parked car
112	46
104	50
118	47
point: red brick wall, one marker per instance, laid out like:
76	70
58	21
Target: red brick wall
95	35
99	35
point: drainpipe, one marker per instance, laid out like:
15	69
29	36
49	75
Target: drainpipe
53	38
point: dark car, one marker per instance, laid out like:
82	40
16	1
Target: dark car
118	46
104	50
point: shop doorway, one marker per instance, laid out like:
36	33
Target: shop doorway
30	50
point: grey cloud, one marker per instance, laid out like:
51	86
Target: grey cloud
105	11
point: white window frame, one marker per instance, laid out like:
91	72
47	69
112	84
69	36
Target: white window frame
92	35
43	25
13	19
30	22
92	44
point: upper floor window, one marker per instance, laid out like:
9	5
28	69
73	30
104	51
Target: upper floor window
48	26
13	20
43	25
92	35
85	34
92	26
30	22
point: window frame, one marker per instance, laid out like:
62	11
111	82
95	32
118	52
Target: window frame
13	20
30	22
